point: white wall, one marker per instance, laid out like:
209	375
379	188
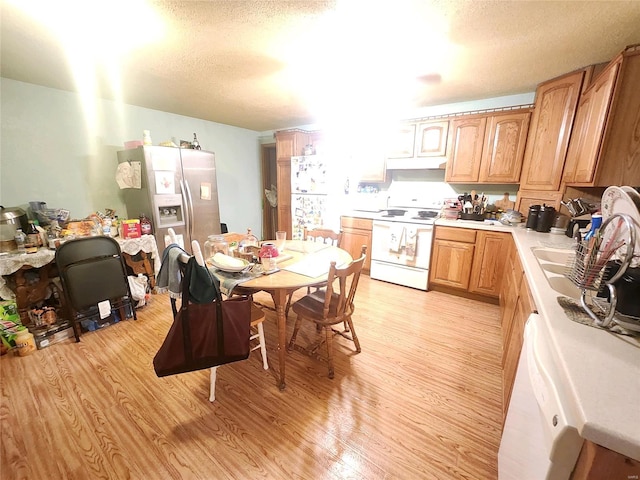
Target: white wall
51	150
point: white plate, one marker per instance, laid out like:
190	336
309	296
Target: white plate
623	200
246	265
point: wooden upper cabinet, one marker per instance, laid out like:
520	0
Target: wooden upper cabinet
548	140
506	136
589	128
401	141
487	148
421	144
431	138
373	168
316	140
289	143
605	146
465	144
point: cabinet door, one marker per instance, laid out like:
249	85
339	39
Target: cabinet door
316	140
526	198
504	147
512	354
465	149
401	142
373	169
451	264
352	241
355	233
597	462
584	146
548	138
508	300
431	139
488	262
288	144
368	162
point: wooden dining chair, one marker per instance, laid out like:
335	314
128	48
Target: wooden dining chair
329	307
323	235
319	235
257	317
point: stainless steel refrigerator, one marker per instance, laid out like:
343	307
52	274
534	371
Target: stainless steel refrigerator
317	194
178	189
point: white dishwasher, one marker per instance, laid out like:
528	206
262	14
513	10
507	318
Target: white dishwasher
539	440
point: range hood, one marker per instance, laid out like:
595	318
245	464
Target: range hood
417	163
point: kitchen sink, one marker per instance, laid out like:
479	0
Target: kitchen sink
553	262
553	255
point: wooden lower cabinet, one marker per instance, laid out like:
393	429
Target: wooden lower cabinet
516	304
355	233
452	257
595	462
598	463
469	260
488	262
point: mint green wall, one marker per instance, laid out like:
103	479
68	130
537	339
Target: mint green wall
51	150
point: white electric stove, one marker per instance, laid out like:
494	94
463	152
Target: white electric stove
401	241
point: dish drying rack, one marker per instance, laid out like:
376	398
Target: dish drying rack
589	269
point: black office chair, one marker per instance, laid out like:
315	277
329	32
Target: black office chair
92	270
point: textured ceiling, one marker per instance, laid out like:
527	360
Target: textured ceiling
262	64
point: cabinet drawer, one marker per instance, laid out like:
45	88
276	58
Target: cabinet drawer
456	234
353	222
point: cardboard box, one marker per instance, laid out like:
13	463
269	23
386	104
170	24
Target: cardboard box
131	229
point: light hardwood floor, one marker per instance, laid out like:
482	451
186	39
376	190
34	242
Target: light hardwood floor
422	401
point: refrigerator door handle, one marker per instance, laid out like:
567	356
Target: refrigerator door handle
186	194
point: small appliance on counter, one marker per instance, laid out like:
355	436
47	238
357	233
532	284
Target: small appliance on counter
11	219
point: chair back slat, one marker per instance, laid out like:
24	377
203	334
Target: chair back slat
342	297
323	235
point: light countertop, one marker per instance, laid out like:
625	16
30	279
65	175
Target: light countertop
601	369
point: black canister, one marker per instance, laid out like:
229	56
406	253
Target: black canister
532	218
628	290
545	218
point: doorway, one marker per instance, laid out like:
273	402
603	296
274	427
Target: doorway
269	191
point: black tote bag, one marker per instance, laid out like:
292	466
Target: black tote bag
207	331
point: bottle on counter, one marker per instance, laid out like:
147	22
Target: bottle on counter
33	238
21	241
196	143
42	234
106	226
146	228
596	223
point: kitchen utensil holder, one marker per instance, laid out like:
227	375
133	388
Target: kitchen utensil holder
588	269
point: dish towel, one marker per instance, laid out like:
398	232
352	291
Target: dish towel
229	280
169	278
411	236
395	238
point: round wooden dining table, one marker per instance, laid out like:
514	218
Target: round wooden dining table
301	264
